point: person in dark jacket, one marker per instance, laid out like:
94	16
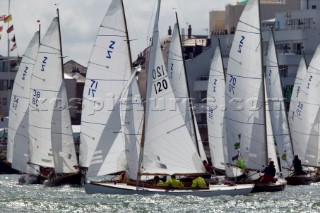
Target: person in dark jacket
269	173
296	164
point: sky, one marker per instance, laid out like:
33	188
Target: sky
80	21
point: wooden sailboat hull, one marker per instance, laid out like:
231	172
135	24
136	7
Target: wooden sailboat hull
270	187
124	189
315	178
31	179
65	179
299	180
5	168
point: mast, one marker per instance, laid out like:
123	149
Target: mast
127	34
61	56
189	97
145	107
263	87
224	72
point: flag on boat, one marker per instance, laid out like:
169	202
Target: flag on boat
10	29
13	38
2	17
8	19
1	28
14	46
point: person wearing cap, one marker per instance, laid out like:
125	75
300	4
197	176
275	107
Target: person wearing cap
269	173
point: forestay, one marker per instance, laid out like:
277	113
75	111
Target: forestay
177	76
244	116
108	72
18	138
168	147
279	121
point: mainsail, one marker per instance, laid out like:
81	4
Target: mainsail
168	146
177	76
215	113
279	121
306	119
245	114
108	73
18	138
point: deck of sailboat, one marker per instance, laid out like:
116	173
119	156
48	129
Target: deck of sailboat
125	189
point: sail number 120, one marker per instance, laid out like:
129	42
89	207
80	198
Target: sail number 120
159	85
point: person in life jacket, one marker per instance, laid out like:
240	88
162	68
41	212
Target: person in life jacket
269	173
174	183
199	182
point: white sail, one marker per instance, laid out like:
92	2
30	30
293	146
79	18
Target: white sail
271	145
18	139
176	74
215	114
295	96
277	111
306	129
132	121
45	85
50	134
244	117
64	153
168	146
107	74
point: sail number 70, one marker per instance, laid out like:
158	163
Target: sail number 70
232	84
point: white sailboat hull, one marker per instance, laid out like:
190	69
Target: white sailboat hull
124	189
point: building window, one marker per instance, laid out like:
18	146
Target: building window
314	6
283	71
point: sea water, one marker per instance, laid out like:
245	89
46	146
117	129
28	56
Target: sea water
37	198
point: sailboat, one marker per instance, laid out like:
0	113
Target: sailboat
51	142
305	117
166	146
18	139
246	115
179	83
279	120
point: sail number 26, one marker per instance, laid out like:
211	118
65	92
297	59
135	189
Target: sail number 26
160	84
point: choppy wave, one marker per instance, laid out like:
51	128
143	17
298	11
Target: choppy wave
37	198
